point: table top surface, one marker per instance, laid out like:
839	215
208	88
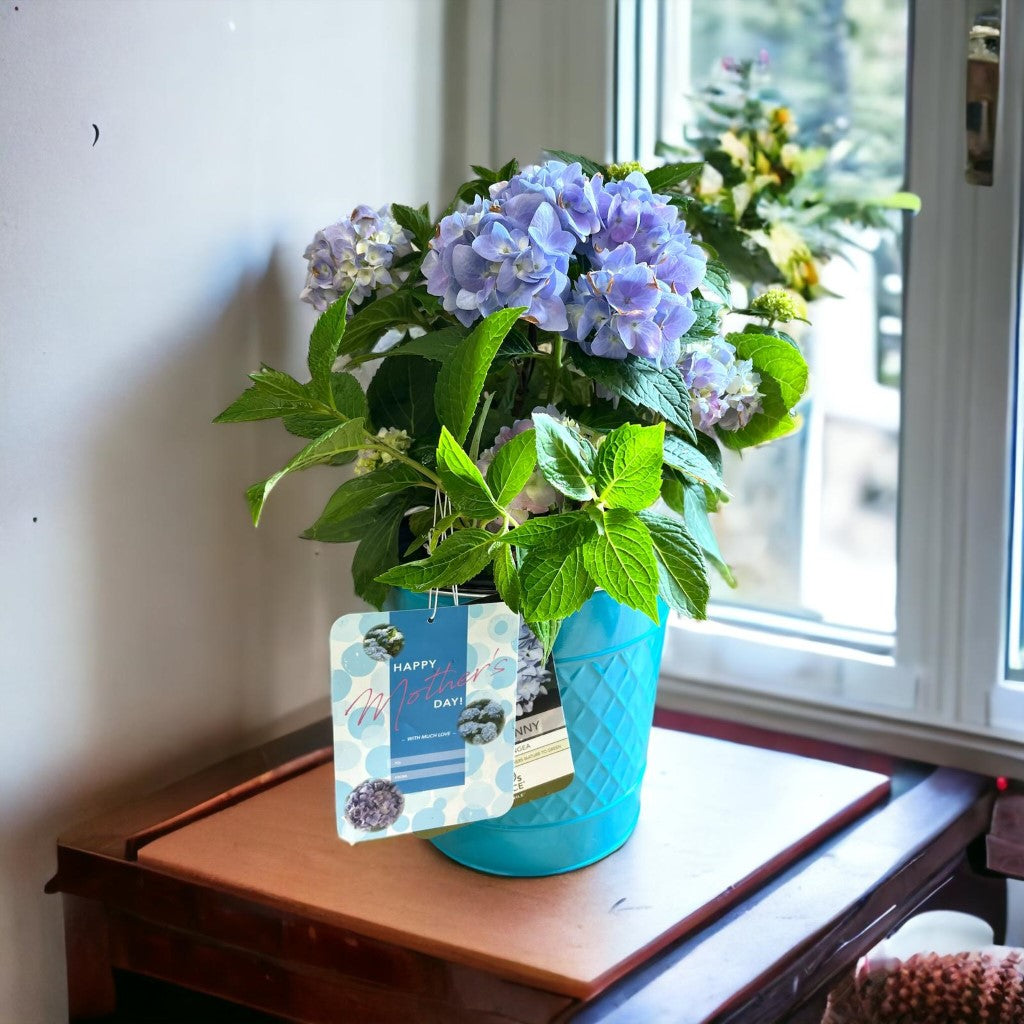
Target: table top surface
753	880
717	819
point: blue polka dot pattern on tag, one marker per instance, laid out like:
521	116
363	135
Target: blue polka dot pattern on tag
506	777
378	761
341	684
355	660
429	817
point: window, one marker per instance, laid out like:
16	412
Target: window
910	433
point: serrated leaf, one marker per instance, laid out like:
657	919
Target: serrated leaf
627	469
462	376
589	166
401	395
708	322
684	579
344	438
639	382
457	559
783	381
376	553
691	503
554	585
777	358
359	493
437	346
512	467
546	633
415	221
464	484
349	403
717	281
378	316
661	178
256	403
564	458
506	578
283	385
328	331
622	561
561	532
692	462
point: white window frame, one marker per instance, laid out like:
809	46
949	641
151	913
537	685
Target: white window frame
574	74
941	692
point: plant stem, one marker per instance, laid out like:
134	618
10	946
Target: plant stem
376	442
556	367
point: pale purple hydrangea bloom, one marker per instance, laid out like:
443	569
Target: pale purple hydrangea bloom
723	389
359	253
631	213
538	496
566	187
532	677
374	805
498	254
621	309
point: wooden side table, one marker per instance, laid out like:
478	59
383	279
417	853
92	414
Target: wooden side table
753	879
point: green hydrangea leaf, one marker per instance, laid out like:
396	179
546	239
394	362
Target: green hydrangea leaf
401	395
354	496
377	552
376	317
349	403
554	584
506	578
512	467
560	532
627	470
438	346
457	559
621	559
565	458
328	331
643	384
416	221
690	501
692	462
662	178
462	376
717	281
783	381
683	576
463	482
344	438
546	633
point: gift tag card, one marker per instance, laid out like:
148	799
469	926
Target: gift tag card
543	760
424	711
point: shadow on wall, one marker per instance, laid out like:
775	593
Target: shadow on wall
202	634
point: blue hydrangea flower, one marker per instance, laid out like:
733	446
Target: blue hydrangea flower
565	186
358	253
723	389
631	213
621	309
498	254
374	805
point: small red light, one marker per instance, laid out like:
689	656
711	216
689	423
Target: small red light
1002	783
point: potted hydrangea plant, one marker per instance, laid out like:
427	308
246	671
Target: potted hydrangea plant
550	393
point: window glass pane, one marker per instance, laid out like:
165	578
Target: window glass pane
811	531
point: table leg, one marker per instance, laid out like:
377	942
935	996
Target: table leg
91	991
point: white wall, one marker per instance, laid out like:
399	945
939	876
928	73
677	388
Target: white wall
145	628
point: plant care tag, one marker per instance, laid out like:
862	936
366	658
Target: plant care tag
543	759
424	718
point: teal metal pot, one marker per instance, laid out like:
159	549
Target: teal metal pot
607	658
